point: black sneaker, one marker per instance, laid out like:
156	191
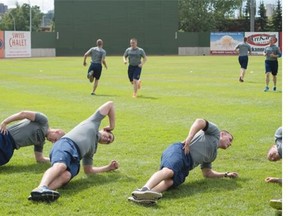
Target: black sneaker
43	193
274	88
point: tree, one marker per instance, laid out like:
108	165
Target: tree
21	16
277	17
205	15
263	18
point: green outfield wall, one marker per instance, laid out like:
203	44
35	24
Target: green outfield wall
78	23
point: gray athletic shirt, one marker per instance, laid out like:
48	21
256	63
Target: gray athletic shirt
278	140
26	132
97	54
272	49
86	136
203	148
244	48
134	55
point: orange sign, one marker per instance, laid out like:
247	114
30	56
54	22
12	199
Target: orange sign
2	42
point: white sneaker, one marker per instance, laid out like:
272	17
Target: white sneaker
276	203
145	202
146	195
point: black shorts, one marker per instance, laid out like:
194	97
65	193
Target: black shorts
271	66
7	146
97	69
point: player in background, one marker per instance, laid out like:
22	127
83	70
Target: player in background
98	55
243	49
272	53
137	59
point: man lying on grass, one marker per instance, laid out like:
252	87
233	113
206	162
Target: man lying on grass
199	148
275	154
80	143
30	129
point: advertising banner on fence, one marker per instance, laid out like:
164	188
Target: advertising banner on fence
223	43
17	44
2	42
259	40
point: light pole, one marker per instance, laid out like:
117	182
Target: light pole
30	16
13	20
252	16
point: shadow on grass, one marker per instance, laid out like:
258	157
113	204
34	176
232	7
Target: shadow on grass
204	186
146	97
85	182
104	95
35	168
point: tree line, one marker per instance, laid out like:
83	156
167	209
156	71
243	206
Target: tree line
219	16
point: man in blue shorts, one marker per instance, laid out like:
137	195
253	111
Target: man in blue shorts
243	49
78	144
137	59
199	148
98	55
272	53
32	128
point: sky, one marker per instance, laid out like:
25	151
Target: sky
46	5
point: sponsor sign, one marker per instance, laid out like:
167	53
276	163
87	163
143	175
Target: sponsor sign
224	42
259	40
17	44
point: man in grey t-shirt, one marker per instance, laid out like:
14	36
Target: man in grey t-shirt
98	55
243	49
199	148
275	154
137	58
31	129
80	143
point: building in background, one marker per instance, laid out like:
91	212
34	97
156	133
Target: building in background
3	8
269	9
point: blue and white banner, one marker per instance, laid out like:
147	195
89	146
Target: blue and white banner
224	42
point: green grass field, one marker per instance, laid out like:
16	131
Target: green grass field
176	90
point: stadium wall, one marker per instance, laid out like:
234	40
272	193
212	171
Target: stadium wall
193	43
43	44
79	23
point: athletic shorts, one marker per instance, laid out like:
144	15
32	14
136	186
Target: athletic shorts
175	159
7	146
271	66
65	151
134	72
97	69
243	61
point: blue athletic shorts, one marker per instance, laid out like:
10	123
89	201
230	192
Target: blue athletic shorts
134	72
65	151
271	66
7	146
243	61
175	159
97	69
